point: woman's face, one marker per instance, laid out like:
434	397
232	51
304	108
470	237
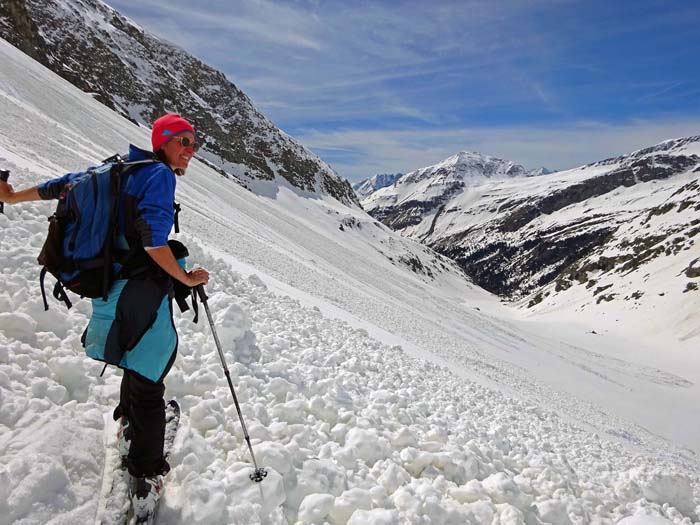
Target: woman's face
176	155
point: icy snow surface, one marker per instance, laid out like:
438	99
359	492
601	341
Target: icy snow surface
373	395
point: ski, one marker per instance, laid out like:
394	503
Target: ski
115	507
172	419
114	495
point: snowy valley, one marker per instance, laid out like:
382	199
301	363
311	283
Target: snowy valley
379	385
612	242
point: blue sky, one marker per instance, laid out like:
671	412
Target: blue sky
377	87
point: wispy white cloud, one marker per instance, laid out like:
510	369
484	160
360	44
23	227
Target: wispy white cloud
662	90
391	86
258	20
277	51
357	154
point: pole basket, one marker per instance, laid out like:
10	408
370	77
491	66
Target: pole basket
258	475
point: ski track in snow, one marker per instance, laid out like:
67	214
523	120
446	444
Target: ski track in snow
352	430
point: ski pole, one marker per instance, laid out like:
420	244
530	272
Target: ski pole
260	473
4	175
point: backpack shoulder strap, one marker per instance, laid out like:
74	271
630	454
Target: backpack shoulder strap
59	292
177	208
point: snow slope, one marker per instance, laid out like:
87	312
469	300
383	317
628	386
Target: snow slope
376	389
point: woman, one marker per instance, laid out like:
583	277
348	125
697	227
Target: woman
133	328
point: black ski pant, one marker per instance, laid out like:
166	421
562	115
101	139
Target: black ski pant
141	402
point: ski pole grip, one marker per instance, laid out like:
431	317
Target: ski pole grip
4	175
202	294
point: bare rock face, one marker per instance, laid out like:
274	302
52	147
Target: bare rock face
141	76
521	236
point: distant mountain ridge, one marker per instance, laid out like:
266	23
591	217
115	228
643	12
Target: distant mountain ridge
367	186
470	164
538	172
142	76
419	192
473	165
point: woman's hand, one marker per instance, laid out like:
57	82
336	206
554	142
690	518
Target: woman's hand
7	192
163	257
196	277
10	196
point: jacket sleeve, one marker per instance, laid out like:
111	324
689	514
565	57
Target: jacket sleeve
51	189
155	215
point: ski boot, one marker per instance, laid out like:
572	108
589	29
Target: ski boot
145	494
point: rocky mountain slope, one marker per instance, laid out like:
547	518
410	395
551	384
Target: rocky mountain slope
601	229
141	76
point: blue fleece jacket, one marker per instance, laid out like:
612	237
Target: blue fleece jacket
146	201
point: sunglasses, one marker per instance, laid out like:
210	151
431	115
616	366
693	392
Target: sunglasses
187	142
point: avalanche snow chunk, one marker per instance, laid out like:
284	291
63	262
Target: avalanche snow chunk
502	489
348	502
672	489
644	519
472	491
279	387
18	325
374	517
207	415
367	445
274	455
240	488
553	511
320	476
38	484
234	329
315	508
390	475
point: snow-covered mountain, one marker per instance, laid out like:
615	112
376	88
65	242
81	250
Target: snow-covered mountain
538	172
464	164
366	187
419	193
632	250
378	385
142	76
616	230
